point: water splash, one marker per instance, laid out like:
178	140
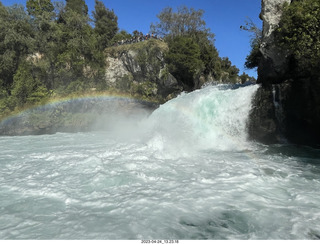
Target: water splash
214	117
93	186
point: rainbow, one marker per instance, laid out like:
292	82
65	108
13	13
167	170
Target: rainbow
82	97
74	101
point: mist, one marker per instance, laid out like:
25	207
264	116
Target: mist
114	114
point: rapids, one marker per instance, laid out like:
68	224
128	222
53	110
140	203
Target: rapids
185	172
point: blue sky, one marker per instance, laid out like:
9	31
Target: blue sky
223	17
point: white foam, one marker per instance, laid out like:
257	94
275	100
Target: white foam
162	185
212	118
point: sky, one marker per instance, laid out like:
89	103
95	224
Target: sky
222	17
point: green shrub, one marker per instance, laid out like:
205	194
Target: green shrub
26	88
253	59
124	84
145	89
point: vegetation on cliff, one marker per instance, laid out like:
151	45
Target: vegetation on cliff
255	55
47	51
298	34
54	49
288	103
144	70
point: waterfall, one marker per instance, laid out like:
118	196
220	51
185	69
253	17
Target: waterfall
214	117
277	102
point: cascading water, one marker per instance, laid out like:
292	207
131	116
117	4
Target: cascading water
276	93
211	118
185	172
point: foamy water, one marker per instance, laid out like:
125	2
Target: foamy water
186	172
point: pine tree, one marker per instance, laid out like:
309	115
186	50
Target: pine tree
77	6
184	60
37	8
106	24
16	42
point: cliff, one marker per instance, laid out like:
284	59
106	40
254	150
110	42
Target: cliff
140	68
286	107
273	64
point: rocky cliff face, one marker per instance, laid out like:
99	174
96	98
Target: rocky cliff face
284	107
263	123
140	67
273	64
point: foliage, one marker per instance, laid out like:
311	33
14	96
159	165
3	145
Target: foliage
184	60
188	24
47	49
121	36
16	42
143	89
231	70
39	7
106	24
253	59
298	34
208	54
246	78
26	88
256	32
77	6
124	84
148	56
183	22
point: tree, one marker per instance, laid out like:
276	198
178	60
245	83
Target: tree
27	88
253	59
184	60
208	53
106	24
188	23
122	35
37	8
298	35
232	70
16	42
190	26
3	70
183	22
75	47
77	6
39	53
137	34
246	78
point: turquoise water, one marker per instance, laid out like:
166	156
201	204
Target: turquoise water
186	172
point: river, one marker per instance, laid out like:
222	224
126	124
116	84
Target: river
187	171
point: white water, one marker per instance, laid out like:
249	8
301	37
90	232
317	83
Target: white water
186	172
